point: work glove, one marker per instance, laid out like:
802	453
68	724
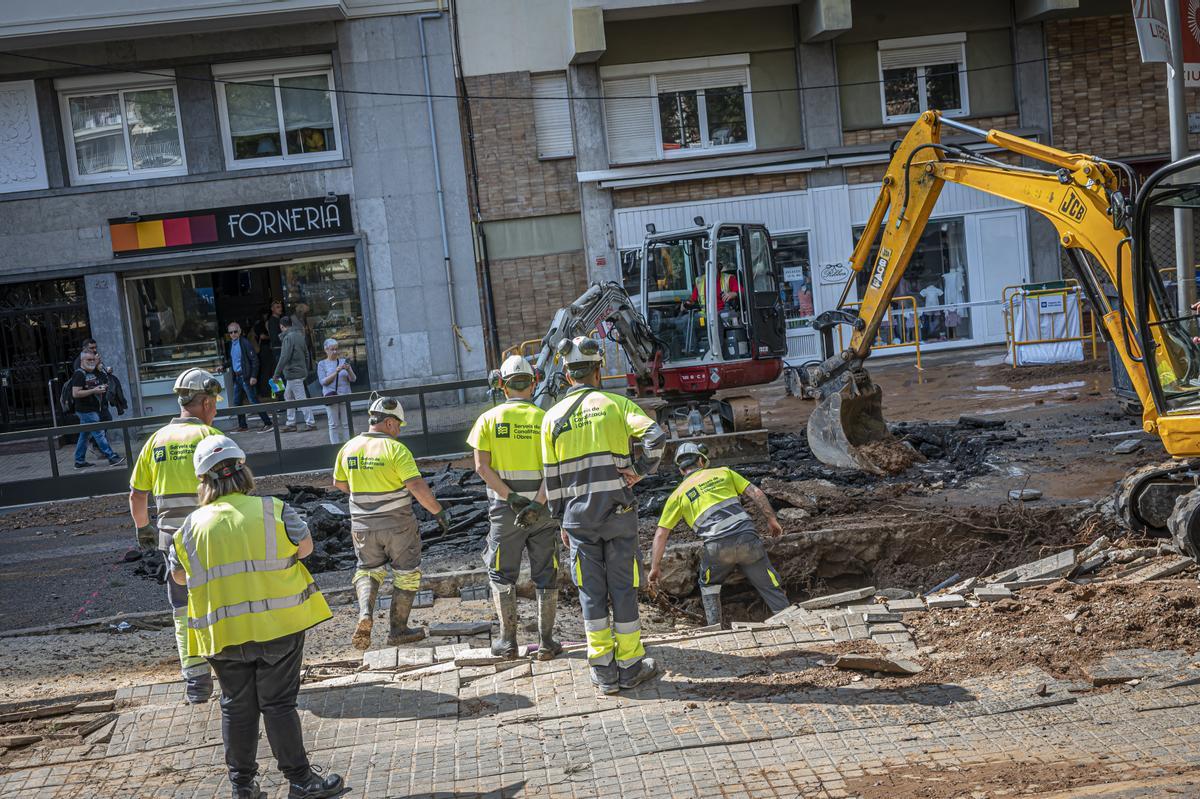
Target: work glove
532	514
517	502
147	536
443	519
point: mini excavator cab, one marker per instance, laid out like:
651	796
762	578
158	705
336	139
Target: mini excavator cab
711	296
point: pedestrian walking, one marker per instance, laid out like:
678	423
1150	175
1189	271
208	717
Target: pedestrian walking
164	468
590	473
242	362
250	601
293	368
269	339
88	390
382	479
335	375
709	501
508	456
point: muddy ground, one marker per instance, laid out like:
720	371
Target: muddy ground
67	562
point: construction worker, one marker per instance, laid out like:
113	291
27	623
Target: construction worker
249	602
590	473
164	468
709	501
381	477
508	456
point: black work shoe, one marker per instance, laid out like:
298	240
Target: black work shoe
251	791
638	673
605	679
314	786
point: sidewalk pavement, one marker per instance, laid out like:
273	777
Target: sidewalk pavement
724	720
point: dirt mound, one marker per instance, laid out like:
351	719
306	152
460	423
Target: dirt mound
892	457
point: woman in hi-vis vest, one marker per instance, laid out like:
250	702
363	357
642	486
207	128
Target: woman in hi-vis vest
249	602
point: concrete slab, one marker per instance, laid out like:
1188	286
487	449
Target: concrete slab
992	593
915	605
1165	567
457	628
881	617
943	601
833	600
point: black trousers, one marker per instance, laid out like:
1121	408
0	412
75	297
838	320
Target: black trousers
261	678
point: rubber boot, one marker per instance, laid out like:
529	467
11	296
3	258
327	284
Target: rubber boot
548	648
398	631
710	595
505	599
638	673
606	678
368	591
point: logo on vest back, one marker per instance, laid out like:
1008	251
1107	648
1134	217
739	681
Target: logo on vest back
693	494
503	430
160	454
352	462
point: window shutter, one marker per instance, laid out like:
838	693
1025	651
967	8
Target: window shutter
629	118
951	53
706	79
552	116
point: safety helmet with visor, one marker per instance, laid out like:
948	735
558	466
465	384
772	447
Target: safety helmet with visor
383	407
194	382
219	456
689	454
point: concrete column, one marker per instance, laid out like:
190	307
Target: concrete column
1033	106
198	117
107	324
591	152
820	108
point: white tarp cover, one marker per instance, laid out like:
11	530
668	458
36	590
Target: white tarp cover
1046	316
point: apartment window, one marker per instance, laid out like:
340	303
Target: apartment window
923	72
675	109
278	111
552	116
119	127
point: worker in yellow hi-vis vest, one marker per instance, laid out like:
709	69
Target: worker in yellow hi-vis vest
590	473
508	456
164	468
382	479
709	501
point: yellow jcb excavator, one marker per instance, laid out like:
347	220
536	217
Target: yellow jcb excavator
1104	220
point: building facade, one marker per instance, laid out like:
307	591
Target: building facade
636	112
172	168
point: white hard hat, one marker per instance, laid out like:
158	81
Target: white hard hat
387	406
214	450
581	349
196	381
688	454
515	365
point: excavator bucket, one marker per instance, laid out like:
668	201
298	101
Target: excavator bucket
847	419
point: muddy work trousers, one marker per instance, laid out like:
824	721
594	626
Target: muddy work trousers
605	568
399	547
505	544
192	667
743	551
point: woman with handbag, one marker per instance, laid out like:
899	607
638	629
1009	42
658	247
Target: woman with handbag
335	376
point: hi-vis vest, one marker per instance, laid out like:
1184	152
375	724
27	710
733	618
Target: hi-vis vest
376	467
164	468
583	486
708	501
511	432
244	580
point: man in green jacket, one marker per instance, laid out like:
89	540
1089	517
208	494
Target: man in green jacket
293	368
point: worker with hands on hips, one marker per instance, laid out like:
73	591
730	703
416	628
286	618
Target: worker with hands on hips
382	479
508	456
709	501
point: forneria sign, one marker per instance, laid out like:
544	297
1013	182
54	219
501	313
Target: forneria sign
232	226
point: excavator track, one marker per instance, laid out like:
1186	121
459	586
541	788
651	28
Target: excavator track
1184	525
1147	498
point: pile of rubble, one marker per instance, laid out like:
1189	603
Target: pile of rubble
62	723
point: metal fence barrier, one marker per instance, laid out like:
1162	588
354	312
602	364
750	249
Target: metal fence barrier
1066	290
892	333
27	476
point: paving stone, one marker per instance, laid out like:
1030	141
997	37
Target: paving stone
880	617
474	593
376	659
1165	567
894	593
992	593
914	605
941	601
859	632
1055	565
17	741
423	599
1091	564
1130	664
478	657
1128	447
833	600
888	628
98	706
964	586
1036	582
877	663
457	628
102	734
